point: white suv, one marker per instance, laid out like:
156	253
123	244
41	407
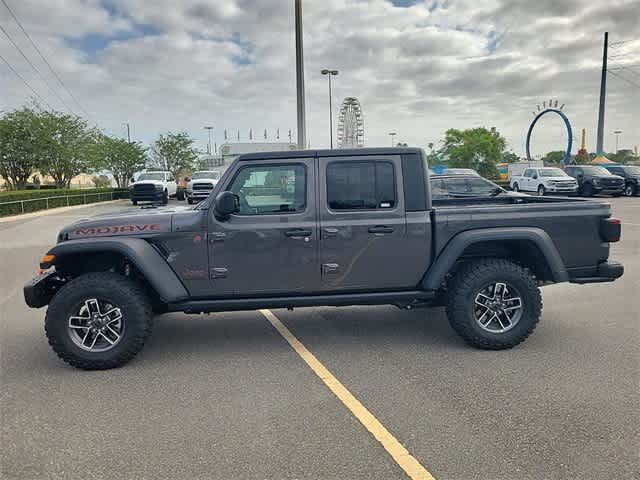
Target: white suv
201	185
153	187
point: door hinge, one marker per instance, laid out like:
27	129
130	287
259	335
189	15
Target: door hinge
218	272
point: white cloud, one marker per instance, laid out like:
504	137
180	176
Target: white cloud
167	65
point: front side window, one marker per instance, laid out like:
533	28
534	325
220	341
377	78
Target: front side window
268	189
357	185
528	172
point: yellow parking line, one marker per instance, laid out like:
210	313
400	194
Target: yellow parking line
400	455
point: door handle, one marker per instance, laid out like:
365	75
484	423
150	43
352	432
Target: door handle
298	232
378	229
330	232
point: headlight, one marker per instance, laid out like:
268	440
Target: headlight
595	181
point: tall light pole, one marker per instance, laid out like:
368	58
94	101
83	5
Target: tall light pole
617	134
393	136
209	144
330	73
302	126
603	94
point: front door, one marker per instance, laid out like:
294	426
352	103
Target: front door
270	246
363	225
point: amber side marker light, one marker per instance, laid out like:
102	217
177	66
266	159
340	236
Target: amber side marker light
46	261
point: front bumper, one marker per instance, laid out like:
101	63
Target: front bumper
39	291
566	190
150	196
198	194
607	190
605	272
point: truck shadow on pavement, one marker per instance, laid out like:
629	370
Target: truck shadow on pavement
246	332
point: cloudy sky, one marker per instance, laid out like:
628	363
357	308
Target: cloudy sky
418	67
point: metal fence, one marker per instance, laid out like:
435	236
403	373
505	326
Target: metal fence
61	201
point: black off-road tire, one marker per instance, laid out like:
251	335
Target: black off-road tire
118	290
470	280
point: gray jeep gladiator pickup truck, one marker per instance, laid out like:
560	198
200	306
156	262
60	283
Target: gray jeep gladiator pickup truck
319	228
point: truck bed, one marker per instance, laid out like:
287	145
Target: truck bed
572	223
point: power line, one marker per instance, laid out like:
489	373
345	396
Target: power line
34	68
55	74
620	66
25	82
630	82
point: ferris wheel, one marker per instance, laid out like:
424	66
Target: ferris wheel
350	124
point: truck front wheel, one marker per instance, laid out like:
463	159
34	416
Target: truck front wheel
98	321
493	304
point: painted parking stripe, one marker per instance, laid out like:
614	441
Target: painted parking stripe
394	448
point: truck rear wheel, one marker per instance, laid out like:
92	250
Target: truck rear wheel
493	303
98	321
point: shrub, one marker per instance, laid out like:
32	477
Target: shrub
38	199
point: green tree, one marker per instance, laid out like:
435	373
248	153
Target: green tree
476	148
553	158
510	157
67	146
120	157
20	147
173	152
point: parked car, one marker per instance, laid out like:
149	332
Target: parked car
544	180
201	185
447	186
593	179
631	175
153	187
319	227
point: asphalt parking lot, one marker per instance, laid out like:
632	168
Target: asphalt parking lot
224	396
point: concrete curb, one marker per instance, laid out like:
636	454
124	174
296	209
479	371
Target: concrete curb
52	211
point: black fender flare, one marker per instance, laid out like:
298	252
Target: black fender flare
139	252
443	264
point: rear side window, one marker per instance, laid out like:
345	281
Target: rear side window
367	185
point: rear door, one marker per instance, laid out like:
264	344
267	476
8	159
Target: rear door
362	224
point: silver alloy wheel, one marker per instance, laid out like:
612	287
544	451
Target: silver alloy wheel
498	307
628	190
97	327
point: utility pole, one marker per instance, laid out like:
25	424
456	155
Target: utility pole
128	133
603	94
302	127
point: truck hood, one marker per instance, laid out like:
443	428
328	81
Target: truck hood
140	222
560	179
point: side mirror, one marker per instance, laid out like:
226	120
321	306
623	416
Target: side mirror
225	204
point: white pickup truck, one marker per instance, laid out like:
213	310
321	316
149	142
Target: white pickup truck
154	187
544	180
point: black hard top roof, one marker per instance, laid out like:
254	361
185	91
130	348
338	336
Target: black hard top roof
338	152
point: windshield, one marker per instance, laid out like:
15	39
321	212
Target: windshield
632	170
596	171
151	176
552	172
447	187
211	175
